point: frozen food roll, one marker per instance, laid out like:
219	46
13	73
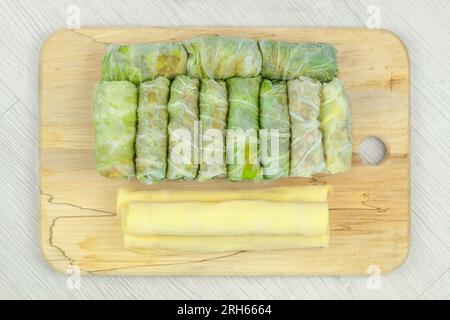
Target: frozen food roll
313	193
216	221
213	117
307	156
209	244
274	133
151	138
220	57
142	62
336	124
242	129
115	128
183	153
286	61
226	218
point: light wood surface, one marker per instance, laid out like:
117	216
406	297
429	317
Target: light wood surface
422	25
369	205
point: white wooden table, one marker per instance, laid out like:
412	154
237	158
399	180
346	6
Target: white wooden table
423	26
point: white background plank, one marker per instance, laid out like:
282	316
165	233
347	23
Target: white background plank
423	26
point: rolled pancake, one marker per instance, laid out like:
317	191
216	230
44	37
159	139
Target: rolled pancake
145	244
314	193
234	217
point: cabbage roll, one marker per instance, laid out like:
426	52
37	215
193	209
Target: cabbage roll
336	124
183	156
141	62
307	156
242	129
274	135
151	138
115	128
287	61
213	117
219	57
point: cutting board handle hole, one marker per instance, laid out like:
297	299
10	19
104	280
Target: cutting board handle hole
373	151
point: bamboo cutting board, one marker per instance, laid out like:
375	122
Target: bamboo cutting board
369	205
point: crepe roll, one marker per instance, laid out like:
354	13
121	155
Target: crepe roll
227	218
210	244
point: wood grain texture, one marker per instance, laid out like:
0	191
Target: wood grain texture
369	205
423	27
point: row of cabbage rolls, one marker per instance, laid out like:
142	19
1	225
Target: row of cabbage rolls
220	58
217	106
241	128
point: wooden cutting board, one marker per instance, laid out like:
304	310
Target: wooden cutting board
369	205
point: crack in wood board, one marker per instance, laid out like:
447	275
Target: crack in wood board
93	39
51	201
374	208
73	262
169	264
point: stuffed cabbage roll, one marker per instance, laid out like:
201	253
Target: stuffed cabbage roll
336	124
274	134
242	129
141	62
219	57
183	156
286	61
115	128
151	138
213	117
307	157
